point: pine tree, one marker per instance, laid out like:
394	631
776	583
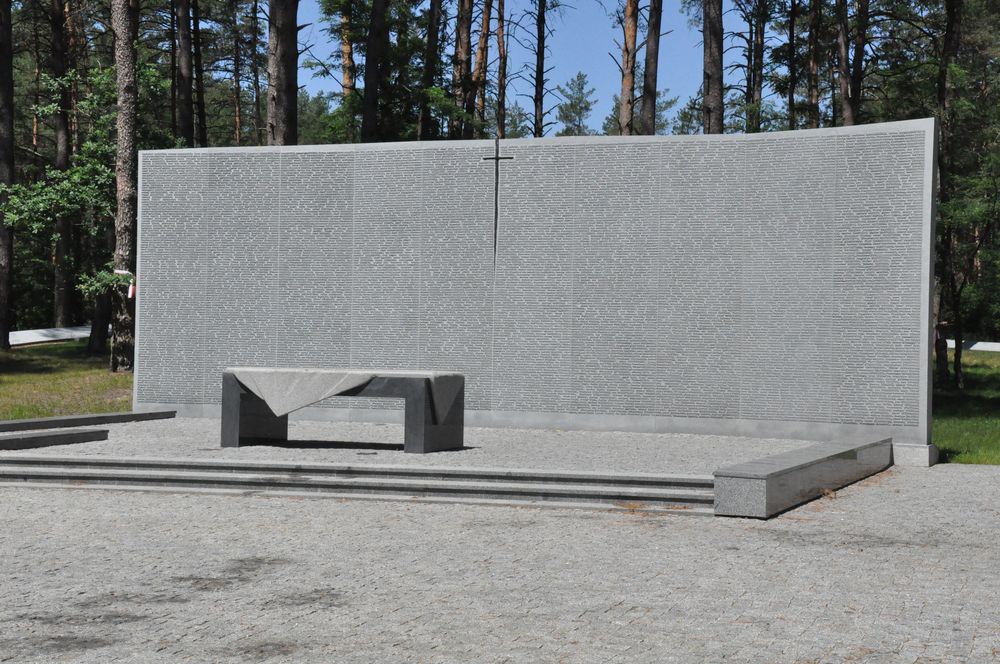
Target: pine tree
578	103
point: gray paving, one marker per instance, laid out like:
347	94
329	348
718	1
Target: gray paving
498	448
899	568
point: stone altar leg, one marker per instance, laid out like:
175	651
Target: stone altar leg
424	430
245	417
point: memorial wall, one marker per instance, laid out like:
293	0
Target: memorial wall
773	284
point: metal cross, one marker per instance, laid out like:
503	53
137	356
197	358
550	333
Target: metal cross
496	194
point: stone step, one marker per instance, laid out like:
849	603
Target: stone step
632	497
484	474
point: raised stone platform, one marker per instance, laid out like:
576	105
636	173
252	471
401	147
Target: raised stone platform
366	443
617	470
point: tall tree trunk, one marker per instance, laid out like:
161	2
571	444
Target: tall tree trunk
348	68
749	69
477	89
185	75
942	375
124	21
282	73
501	73
945	93
712	108
62	287
237	74
630	27
843	64
481	88
37	57
173	69
647	109
861	21
258	115
834	95
814	27
97	344
425	123
762	16
539	92
462	67
199	76
72	62
6	167
374	62
792	70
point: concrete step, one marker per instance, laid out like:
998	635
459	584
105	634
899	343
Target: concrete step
519	475
631	497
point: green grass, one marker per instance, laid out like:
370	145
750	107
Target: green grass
967	424
59	379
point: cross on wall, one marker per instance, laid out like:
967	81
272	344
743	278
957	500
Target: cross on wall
496	159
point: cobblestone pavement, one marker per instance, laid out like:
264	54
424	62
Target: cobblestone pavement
902	567
355	443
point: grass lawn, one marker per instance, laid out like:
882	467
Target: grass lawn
59	379
967	425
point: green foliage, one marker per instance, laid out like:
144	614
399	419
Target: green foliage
738	114
576	107
316	118
80	192
519	122
401	94
664	105
103	281
345	119
688	119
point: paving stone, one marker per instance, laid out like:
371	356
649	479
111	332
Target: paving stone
900	567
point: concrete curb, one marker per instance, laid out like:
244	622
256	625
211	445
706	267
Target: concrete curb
29	441
48	335
67	421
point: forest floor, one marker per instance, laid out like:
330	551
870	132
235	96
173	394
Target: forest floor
59	379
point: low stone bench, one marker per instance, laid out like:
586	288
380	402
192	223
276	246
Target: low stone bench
256	402
768	486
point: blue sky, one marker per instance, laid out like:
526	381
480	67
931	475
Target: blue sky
584	35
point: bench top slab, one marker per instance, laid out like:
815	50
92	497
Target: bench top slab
388	373
286	389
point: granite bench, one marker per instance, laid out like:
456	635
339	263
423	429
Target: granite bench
256	402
